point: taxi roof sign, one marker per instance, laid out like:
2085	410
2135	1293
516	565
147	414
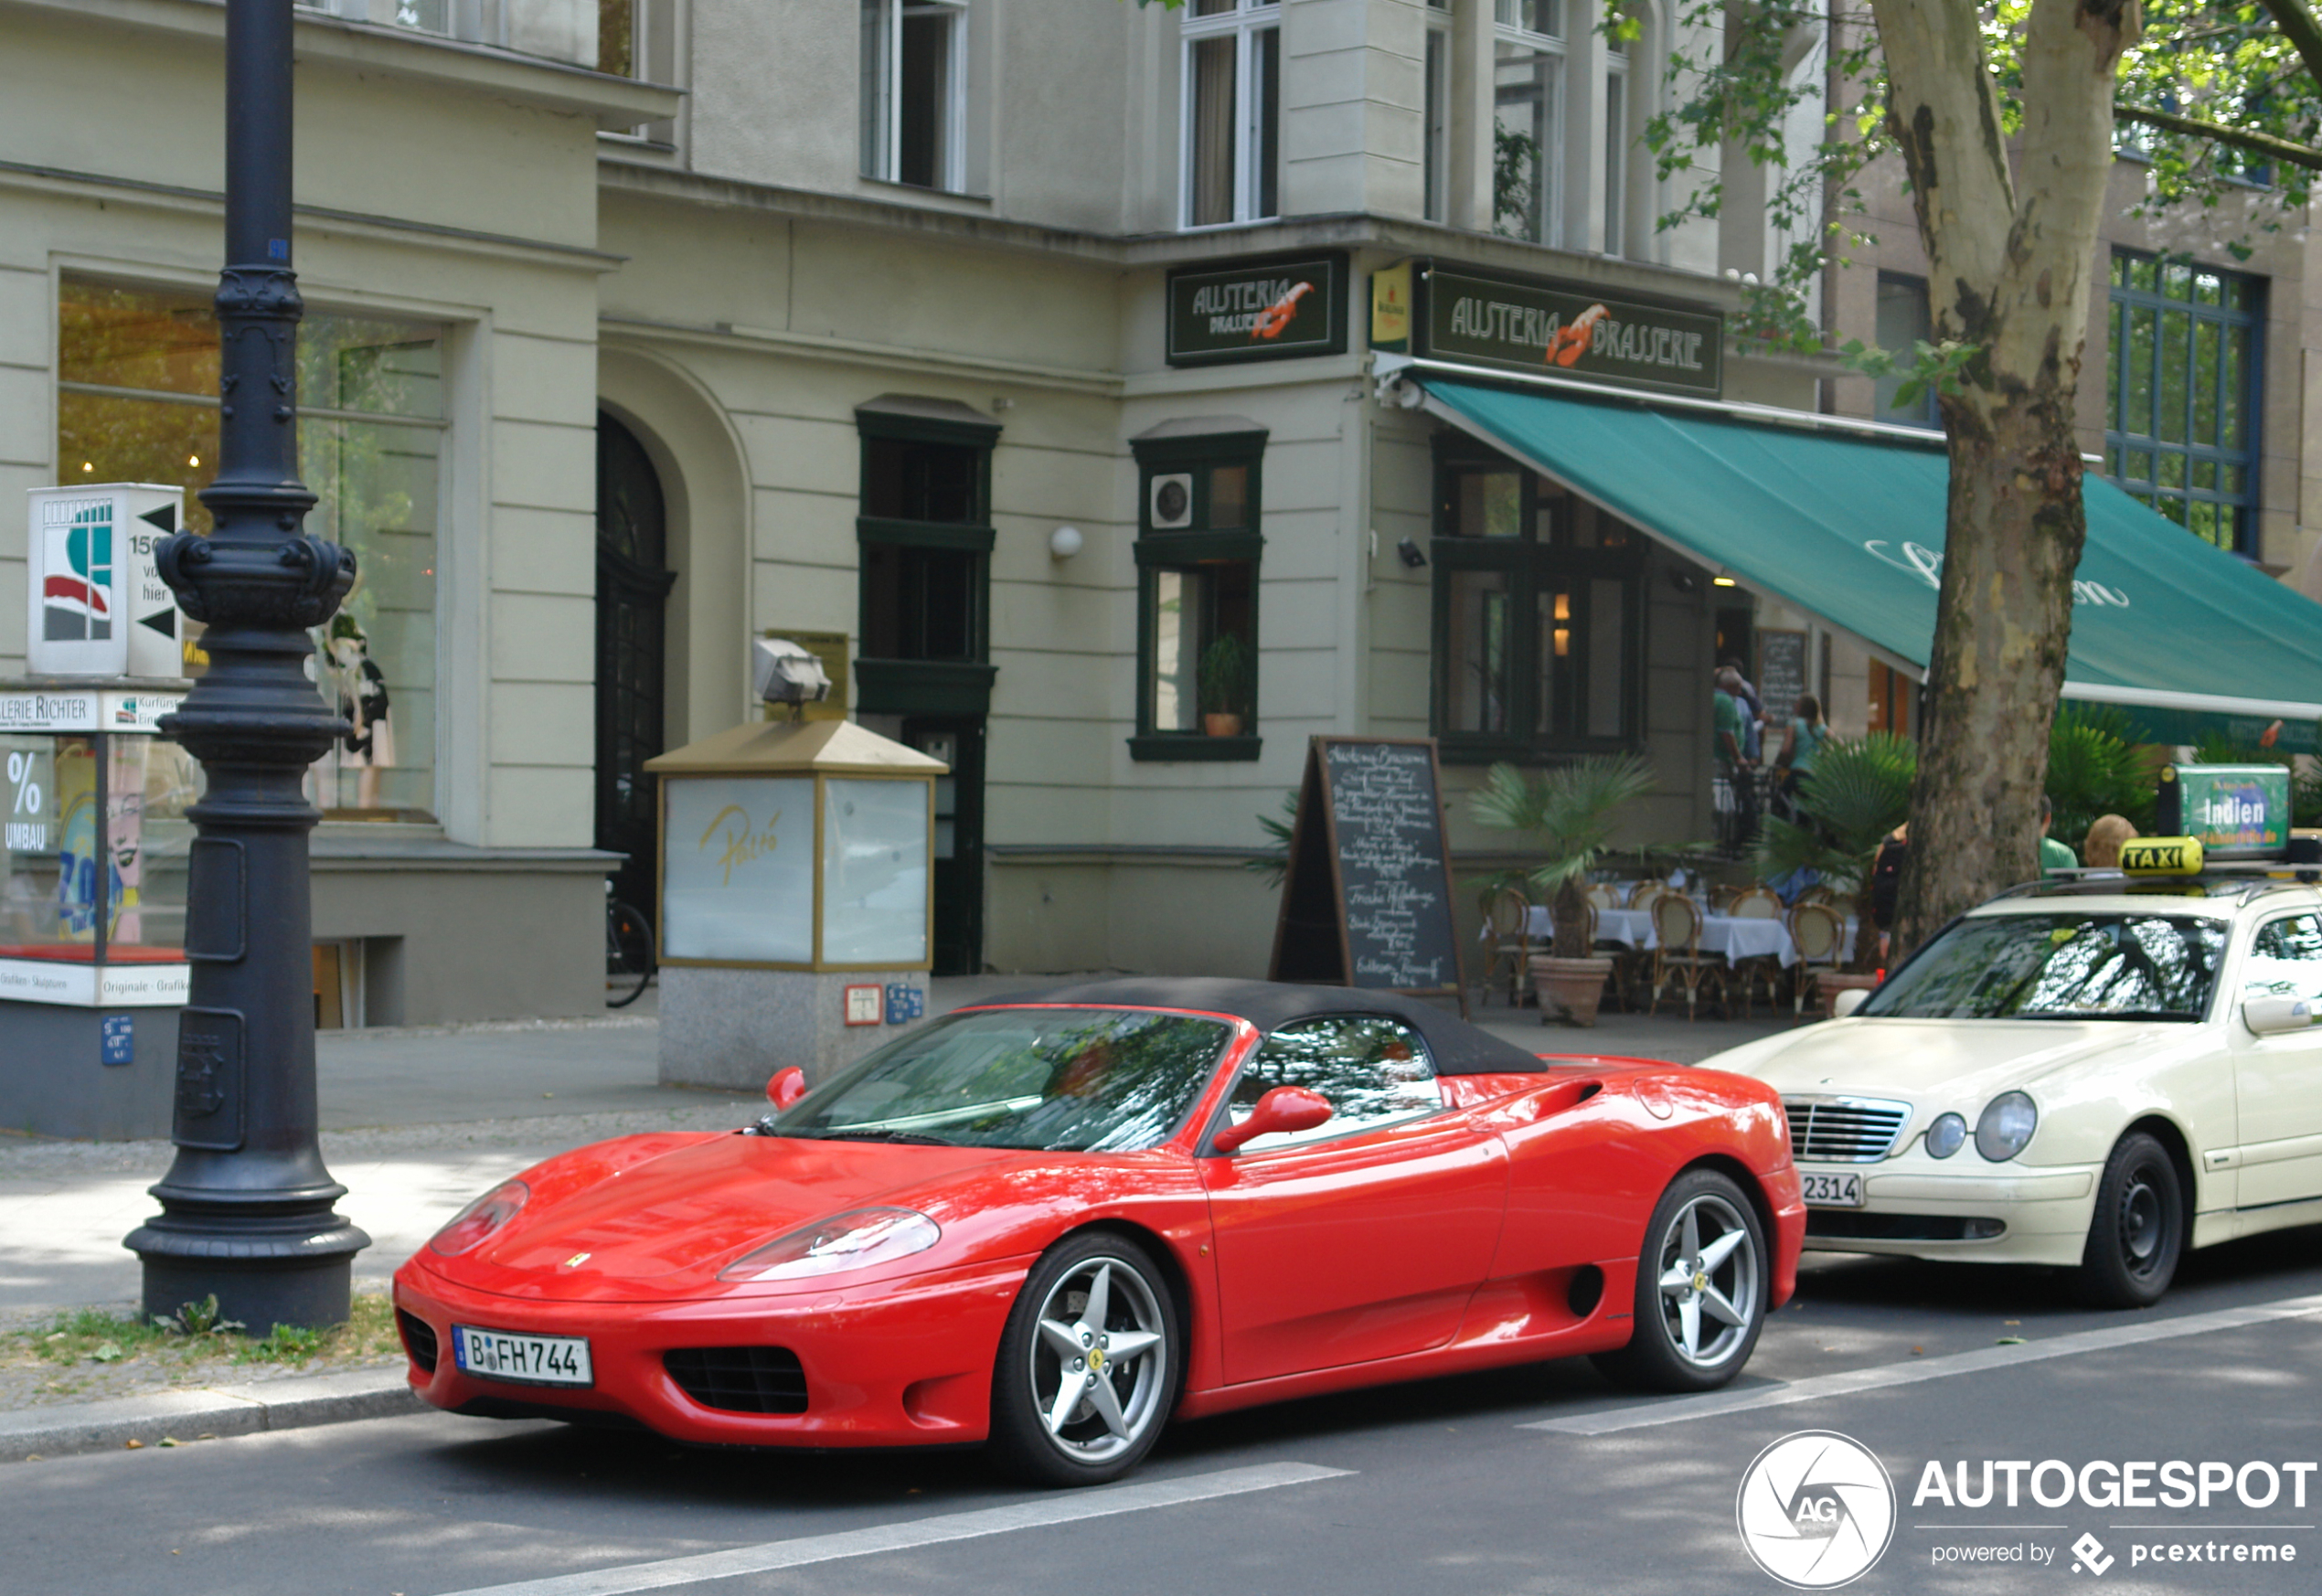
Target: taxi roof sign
2162	856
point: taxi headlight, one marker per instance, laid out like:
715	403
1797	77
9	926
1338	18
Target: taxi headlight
1946	1136
2006	1126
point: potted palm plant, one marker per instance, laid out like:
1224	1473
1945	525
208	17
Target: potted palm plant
1571	812
1856	793
1222	685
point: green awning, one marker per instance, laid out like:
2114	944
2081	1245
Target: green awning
2183	637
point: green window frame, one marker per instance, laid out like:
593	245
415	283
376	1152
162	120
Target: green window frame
1537	637
1198	549
2183	420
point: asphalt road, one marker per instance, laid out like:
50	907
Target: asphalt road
1450	1485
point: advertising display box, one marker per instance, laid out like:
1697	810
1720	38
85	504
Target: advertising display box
93	851
795	898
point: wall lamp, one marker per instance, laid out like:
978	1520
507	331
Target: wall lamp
1065	542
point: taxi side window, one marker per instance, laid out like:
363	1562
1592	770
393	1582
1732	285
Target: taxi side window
2285	961
1372	1070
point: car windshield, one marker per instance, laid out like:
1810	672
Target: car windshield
2060	966
1078	1079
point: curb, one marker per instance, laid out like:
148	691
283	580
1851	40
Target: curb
295	1403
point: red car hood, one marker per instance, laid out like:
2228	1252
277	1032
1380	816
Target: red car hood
596	1223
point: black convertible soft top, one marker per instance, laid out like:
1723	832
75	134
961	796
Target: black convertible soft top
1456	1047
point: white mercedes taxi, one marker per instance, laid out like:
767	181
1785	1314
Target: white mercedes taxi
2091	1073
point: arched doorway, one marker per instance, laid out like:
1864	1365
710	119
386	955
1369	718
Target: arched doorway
633	587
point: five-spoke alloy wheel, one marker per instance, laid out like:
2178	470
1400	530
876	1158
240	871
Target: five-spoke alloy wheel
1087	1364
1700	1289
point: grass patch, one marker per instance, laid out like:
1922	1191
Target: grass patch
93	1337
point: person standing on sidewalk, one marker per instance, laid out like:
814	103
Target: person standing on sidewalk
1729	729
2054	857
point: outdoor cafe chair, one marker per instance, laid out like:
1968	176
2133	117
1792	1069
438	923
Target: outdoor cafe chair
1508	931
1819	934
1676	925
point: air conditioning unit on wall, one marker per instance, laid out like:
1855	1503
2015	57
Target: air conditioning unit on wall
1169	502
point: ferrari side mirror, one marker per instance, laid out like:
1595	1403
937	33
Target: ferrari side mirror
1847	1002
787	1087
1284	1108
2272	1017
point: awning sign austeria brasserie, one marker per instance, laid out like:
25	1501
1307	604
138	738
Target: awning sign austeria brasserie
1560	329
1258	309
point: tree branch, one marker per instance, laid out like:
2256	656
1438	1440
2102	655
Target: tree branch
2299	26
2263	144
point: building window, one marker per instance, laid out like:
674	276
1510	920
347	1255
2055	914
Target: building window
1539	615
1617	147
926	533
1904	319
1198	549
1233	110
137	402
2181	421
1435	135
1528	130
914	93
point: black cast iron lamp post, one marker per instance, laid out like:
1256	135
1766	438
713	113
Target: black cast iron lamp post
246	1206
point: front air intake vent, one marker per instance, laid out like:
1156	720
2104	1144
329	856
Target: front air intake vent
1843	1130
739	1379
419	1340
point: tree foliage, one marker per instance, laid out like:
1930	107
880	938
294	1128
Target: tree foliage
1856	793
1571	811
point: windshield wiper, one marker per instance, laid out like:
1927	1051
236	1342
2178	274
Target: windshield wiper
2107	1014
917	1141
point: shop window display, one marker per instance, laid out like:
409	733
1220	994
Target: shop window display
74	890
1538	616
137	402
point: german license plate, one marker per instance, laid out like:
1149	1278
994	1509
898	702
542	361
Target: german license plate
1832	1191
521	1359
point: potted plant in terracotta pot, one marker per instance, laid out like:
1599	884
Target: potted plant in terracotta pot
1222	685
1858	793
1571	812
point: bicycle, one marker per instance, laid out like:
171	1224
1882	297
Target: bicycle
628	952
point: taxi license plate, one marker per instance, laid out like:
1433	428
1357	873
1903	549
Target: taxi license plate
1832	1191
521	1359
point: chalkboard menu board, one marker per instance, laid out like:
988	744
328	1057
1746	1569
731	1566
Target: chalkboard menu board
1782	677
1368	899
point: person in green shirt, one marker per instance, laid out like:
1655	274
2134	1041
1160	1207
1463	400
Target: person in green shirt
2053	856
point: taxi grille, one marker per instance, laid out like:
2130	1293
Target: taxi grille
1843	1130
739	1379
419	1340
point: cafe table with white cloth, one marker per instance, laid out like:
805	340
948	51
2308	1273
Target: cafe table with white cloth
1738	937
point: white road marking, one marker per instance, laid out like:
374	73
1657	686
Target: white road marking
1676	1410
1057	1508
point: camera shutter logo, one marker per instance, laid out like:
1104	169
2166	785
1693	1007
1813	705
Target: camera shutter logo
1815	1510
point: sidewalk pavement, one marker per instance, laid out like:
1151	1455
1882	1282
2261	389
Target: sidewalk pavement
416	1122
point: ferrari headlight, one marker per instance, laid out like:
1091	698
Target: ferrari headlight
2006	1126
1946	1136
855	1240
471	1225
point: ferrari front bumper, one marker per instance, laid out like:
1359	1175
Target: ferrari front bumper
901	1363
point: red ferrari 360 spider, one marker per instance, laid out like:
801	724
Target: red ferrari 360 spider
1051	1222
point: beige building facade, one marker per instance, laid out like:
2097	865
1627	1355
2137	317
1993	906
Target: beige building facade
641	329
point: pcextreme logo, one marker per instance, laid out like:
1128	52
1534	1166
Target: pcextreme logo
1815	1510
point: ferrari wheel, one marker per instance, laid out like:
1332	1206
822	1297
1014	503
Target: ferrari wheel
1700	1289
1087	1364
2138	1231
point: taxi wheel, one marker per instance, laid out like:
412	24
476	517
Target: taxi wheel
1701	1284
2138	1233
1087	1364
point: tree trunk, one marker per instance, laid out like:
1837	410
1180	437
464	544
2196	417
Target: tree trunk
2010	249
1571	914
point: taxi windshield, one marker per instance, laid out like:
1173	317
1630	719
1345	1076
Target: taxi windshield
1077	1080
2061	966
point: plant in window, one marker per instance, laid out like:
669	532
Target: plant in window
1571	810
1223	686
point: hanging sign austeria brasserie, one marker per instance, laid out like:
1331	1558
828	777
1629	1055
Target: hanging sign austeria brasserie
1258	309
1565	330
